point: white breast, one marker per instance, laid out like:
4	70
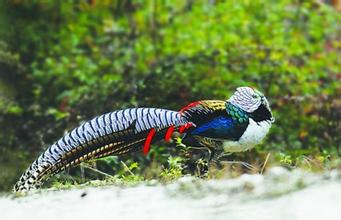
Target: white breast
253	135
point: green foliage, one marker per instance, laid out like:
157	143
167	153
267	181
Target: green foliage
9	68
73	60
174	170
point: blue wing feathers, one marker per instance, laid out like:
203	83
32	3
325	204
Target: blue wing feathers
216	126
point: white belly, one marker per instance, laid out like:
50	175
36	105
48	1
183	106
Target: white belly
252	136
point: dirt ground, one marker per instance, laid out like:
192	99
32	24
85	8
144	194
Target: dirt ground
279	194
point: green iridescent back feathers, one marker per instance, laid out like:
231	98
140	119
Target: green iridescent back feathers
236	113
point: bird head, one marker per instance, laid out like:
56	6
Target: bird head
252	101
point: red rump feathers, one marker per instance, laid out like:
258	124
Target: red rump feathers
169	133
191	105
146	146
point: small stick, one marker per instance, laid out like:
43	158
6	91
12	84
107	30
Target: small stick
96	170
265	162
125	166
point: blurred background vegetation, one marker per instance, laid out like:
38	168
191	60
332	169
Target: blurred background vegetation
63	62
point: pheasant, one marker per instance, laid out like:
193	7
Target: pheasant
235	125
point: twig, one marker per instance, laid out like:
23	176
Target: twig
127	168
265	162
96	170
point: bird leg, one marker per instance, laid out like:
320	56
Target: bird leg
212	147
199	143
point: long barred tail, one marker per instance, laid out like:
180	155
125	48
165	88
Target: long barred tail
113	133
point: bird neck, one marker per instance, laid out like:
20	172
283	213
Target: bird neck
261	114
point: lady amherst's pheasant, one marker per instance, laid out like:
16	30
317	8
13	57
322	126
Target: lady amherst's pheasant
236	124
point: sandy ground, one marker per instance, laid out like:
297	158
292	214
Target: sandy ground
279	194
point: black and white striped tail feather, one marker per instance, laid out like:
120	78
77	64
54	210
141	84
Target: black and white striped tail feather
116	132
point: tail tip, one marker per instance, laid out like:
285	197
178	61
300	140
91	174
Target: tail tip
25	186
